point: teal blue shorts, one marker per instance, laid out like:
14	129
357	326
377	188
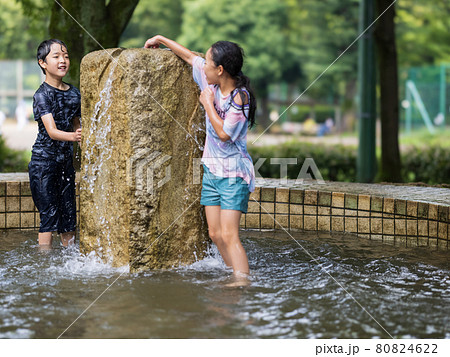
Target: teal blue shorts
226	192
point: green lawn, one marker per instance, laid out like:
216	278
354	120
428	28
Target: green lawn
419	137
422	137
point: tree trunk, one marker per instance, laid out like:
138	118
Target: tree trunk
348	120
263	119
103	25
261	89
389	109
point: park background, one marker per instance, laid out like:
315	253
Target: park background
311	109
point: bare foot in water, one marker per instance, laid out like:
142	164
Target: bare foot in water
68	239
45	248
239	279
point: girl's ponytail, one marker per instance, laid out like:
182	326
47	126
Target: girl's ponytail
231	56
242	81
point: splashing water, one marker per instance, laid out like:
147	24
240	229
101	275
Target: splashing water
290	296
98	152
100	126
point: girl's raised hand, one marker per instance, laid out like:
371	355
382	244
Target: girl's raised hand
207	97
152	42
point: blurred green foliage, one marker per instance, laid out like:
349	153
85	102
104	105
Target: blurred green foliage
423	138
31	81
299	113
13	160
259	27
150	18
423	32
325	30
285	40
338	164
319	113
21	28
291	40
430	165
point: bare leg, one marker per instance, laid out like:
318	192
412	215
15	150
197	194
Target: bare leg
45	238
68	238
214	229
229	223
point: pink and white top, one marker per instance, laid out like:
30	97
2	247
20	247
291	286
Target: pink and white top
229	158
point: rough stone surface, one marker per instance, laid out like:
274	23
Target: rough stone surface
143	131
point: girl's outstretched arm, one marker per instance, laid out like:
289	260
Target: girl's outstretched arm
178	49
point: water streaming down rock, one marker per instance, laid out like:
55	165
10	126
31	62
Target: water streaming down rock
143	132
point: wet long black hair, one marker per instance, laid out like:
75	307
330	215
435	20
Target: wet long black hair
231	57
45	48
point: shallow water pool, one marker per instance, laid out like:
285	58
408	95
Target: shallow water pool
389	291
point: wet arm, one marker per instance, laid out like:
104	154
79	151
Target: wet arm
216	121
207	100
181	51
57	134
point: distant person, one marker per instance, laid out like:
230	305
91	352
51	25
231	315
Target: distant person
439	119
310	126
229	175
2	120
21	115
56	108
326	127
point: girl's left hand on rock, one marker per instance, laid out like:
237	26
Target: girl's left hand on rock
152	42
207	96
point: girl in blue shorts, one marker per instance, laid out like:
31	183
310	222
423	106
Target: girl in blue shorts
229	176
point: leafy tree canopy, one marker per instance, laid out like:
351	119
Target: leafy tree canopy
423	32
150	18
259	27
325	30
21	30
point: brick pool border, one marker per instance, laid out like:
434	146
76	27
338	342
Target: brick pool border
379	212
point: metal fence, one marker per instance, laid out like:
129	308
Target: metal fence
425	97
18	81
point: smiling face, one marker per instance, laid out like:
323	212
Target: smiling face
212	72
57	62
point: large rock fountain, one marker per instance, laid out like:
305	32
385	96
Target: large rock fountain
143	133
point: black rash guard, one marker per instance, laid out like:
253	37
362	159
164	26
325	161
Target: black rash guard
64	105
